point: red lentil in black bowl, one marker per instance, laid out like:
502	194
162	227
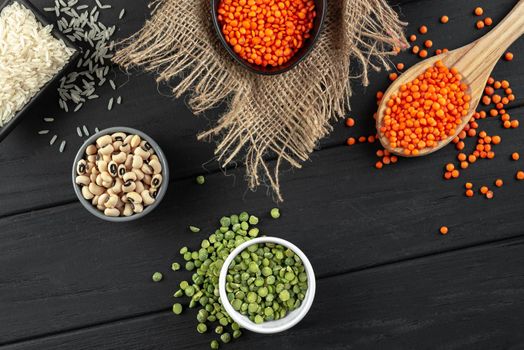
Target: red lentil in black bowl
268	37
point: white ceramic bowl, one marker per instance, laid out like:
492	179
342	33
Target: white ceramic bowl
293	317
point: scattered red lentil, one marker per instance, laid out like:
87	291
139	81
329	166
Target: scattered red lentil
423	53
444	230
428	43
489	194
480	24
393	76
484	189
479	11
350	122
469	193
488	21
423	29
508	56
415	49
412	37
351	141
499	182
520	175
444	19
400	66
515	156
266	33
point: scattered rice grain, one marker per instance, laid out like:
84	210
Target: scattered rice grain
110	104
53	139
62	146
43	132
86	132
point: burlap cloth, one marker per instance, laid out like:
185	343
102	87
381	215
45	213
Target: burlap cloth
282	116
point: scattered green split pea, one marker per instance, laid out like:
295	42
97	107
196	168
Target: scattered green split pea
194	229
177	308
275	213
200	179
157	277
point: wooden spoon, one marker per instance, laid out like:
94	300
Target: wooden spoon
474	62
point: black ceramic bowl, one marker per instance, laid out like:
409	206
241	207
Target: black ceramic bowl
7	128
320	8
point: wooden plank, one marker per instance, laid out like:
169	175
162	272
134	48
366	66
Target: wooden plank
64	269
461	300
31	181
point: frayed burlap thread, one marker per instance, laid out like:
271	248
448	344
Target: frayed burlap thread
284	115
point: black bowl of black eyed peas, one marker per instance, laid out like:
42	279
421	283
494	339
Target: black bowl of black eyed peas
120	174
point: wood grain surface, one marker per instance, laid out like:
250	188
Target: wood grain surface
387	279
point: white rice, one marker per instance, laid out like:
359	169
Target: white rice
30	56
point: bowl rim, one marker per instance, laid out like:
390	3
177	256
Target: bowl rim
158	151
306	53
10	125
242	320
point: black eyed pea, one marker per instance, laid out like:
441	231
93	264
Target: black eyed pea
106	150
91	150
106	158
82	180
135	141
139	151
139	186
94	201
156	181
91	159
155	157
137	162
147	146
147	180
101	165
120	205
118	136
134	198
99	180
106	177
86	193
125	147
139	174
129	176
117	187
81	167
137	207
129	162
128	210
128	139
122	170
147	198
93	176
117	144
154	192
103	141
119	157
147	169
157	167
128	186
111	202
95	189
102	199
108	185
112	168
112	212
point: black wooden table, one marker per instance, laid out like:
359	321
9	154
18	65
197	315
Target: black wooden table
386	278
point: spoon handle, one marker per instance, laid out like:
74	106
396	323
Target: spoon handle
485	52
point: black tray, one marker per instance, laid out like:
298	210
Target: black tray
7	128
